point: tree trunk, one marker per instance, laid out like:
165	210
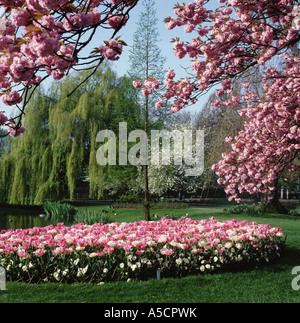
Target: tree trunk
146	202
180	195
146	179
274	205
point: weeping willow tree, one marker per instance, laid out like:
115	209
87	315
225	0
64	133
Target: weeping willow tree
58	150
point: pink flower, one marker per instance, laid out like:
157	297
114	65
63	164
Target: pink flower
127	246
112	50
137	84
39	252
109	250
11	98
78	20
3	119
116	21
164	237
147	91
22	253
159	104
13	132
167	252
170	74
20	17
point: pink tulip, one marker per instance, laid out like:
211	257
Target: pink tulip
22	253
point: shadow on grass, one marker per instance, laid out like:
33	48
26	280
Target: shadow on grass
274	216
289	259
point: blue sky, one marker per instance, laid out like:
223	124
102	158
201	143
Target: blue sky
164	9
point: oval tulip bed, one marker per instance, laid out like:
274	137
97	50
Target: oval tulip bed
122	251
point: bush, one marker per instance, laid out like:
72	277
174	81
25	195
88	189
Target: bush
169	205
69	215
130	198
296	211
91	217
59	212
153	205
249	209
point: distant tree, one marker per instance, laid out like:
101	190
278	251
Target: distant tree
147	62
172	176
146	59
58	151
119	179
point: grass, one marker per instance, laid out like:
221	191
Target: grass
137	214
269	283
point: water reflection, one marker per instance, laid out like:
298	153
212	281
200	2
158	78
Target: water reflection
19	219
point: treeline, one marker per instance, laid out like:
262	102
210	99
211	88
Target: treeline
55	158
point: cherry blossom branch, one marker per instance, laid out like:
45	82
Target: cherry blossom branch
47	37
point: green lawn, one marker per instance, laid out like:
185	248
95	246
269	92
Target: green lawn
266	284
131	215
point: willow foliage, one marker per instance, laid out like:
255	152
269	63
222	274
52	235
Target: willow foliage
58	150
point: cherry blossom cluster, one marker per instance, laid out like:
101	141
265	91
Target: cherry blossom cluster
181	90
112	50
230	45
12	129
224	44
41	38
121	251
269	145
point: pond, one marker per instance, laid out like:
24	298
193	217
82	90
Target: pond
15	218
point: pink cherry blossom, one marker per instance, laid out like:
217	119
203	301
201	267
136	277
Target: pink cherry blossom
159	104
137	84
269	144
39	37
116	21
112	50
3	119
170	74
15	132
12	98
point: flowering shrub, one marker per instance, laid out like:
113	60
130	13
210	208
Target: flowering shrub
122	251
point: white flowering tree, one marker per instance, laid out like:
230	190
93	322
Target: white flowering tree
173	177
